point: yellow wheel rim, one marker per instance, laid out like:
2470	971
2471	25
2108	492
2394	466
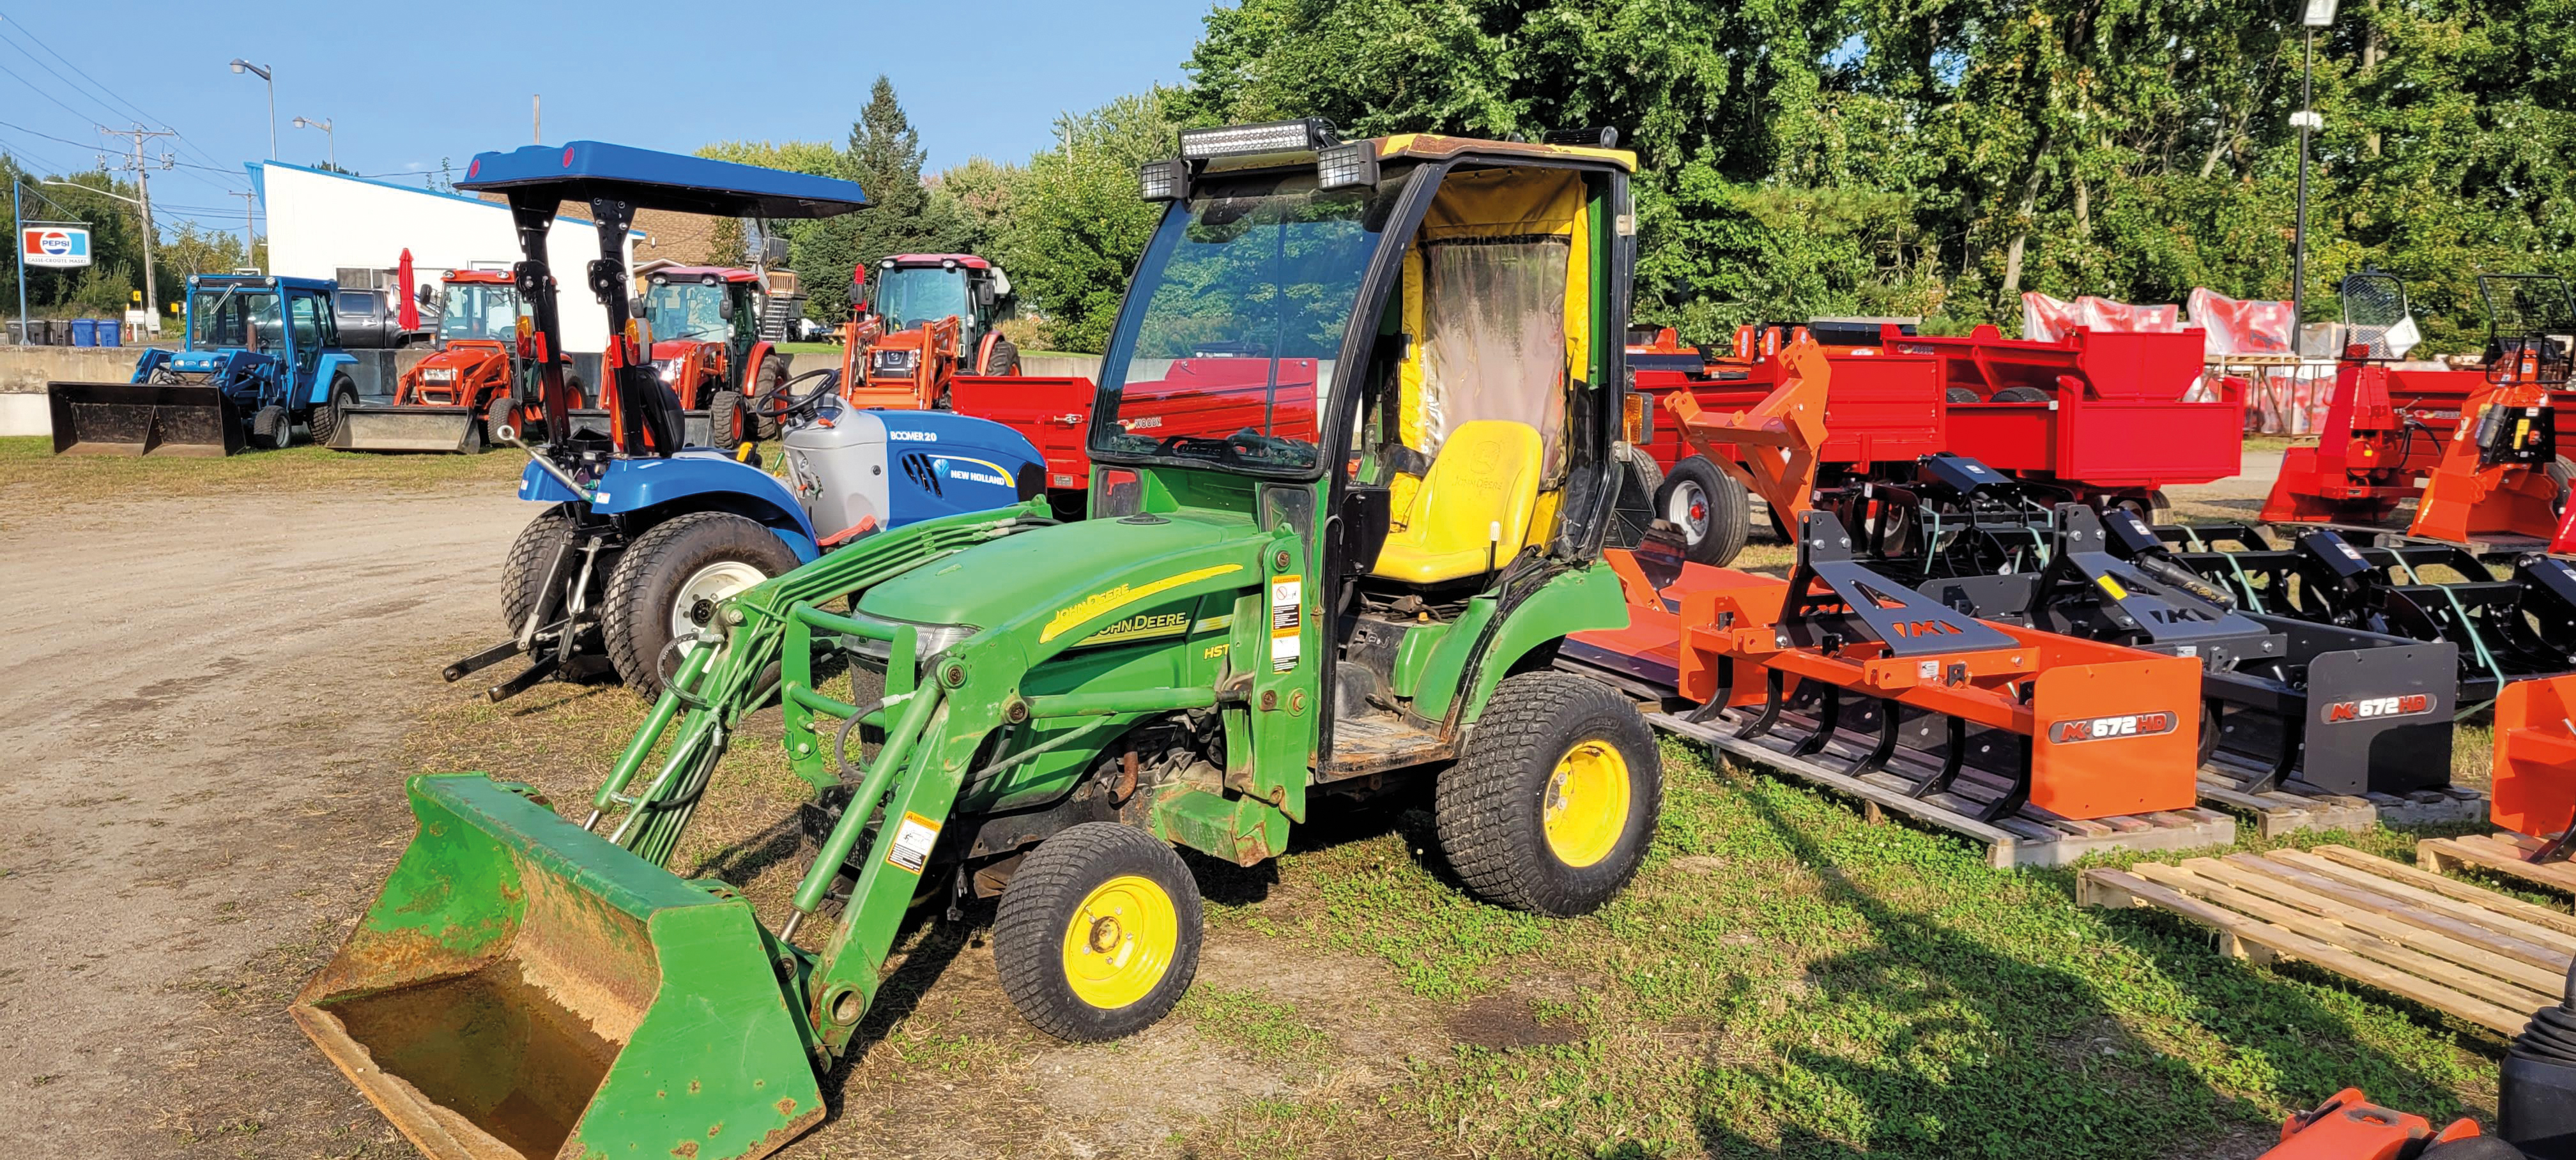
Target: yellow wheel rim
1120	942
1586	808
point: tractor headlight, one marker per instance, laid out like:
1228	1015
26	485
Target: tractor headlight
895	362
931	639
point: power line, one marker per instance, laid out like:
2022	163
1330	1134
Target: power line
21	29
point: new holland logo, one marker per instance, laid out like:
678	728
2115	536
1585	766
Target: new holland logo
2373	708
2110	728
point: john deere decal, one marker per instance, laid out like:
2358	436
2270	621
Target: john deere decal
1142	627
1125	594
2110	728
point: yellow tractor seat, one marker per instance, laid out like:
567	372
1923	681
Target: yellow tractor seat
1486	475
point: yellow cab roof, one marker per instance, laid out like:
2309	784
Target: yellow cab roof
1434	146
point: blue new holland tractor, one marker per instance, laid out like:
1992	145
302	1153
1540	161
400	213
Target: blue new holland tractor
262	357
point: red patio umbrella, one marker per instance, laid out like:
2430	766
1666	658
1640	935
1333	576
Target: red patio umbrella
410	309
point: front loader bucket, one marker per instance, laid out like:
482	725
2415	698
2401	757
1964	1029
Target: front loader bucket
143	419
452	430
525	988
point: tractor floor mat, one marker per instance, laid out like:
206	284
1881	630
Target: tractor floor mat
451	430
143	419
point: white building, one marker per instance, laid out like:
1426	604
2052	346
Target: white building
320	223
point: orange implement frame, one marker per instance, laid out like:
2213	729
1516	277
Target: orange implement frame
921	383
2535	761
1775	439
2103	730
2467	498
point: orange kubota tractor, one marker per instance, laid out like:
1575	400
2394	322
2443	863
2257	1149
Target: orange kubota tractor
705	326
481	380
926	320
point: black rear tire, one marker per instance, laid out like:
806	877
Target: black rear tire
764	419
1119	871
1710	507
1634	510
726	423
1960	395
523	572
1544	749
2019	395
648	582
1003	359
325	420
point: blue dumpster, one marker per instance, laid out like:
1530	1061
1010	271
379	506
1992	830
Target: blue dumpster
84	332
111	332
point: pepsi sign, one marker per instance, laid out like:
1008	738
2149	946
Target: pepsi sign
60	247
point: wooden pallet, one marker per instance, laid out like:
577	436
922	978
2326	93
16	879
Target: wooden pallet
2293	806
2507	854
2459	949
2030	837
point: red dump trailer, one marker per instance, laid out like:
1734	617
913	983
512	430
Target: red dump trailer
2100	416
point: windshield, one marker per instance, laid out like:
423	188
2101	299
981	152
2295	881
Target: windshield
685	310
479	310
910	296
237	318
1225	351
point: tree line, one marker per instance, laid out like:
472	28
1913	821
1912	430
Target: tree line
1837	157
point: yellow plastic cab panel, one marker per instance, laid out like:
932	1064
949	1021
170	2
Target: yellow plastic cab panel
1487	475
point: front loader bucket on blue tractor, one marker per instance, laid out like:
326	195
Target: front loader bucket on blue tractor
525	988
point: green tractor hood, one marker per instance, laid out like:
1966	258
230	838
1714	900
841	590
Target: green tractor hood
998	581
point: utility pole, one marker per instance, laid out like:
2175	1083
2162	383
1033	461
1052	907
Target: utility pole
250	229
143	203
2319	14
18	238
537	117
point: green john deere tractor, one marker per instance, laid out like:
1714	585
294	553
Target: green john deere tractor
1353	467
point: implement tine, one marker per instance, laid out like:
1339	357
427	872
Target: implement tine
1770	714
1885	747
1725	692
1829	717
1952	757
2017	796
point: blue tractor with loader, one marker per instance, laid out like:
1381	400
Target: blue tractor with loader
644	537
262	357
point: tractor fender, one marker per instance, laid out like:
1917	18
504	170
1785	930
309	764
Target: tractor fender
1574	601
752	364
319	390
652	490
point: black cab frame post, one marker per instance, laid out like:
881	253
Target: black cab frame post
536	285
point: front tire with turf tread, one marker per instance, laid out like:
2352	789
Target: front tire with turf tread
636	616
524	570
1043	899
1489	807
1728	519
274	429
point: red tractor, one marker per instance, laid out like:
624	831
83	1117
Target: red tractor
482	379
928	319
705	326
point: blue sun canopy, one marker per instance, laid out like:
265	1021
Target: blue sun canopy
583	170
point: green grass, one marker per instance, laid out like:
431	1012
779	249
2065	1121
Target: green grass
29	470
830	348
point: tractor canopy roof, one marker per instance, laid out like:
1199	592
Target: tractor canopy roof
969	261
478	277
259	282
702	273
586	170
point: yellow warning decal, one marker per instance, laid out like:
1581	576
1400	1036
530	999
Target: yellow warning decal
1100	602
913	838
2113	587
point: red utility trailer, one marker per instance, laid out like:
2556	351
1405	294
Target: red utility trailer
2099	415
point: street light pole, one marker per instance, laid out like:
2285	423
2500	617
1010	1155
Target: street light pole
333	142
261	71
2320	14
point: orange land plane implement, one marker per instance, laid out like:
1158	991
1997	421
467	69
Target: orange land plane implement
2097	730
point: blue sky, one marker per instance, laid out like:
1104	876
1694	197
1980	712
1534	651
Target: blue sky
981	77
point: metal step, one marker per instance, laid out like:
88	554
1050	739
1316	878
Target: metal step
777	313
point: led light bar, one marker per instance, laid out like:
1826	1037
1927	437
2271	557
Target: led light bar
1308	134
1164	180
1349	165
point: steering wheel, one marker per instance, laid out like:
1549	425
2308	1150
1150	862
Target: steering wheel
780	403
